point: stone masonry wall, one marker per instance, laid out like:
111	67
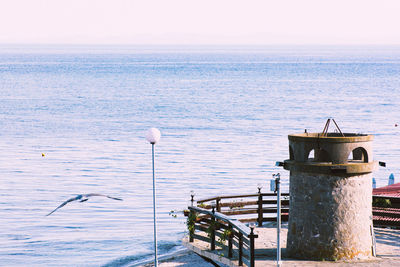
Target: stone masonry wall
330	216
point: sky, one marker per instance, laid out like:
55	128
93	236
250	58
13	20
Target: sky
218	22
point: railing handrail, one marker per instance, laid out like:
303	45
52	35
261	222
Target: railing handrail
240	196
271	194
241	227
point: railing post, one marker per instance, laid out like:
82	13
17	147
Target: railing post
212	234
218	205
252	248
218	208
260	210
191	226
230	242
240	249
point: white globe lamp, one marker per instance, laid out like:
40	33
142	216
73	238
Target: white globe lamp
153	135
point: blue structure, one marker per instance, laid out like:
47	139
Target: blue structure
391	179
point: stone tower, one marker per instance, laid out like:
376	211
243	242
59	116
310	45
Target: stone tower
330	196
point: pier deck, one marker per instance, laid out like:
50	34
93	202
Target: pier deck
387	249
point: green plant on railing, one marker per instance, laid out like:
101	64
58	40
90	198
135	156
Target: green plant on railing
212	227
224	236
201	205
186	213
191	221
382	202
236	205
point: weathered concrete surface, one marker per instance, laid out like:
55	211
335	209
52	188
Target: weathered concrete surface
331	147
387	247
330	216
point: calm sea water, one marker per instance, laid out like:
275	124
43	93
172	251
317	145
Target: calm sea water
224	114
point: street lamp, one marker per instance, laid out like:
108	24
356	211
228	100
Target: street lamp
278	216
192	194
153	136
259	187
213	204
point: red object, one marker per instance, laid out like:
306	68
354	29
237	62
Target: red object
389	191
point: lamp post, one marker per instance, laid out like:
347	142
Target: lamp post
153	136
278	216
260	205
192	194
213	204
259	187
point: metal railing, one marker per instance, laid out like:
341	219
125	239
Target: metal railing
224	217
215	224
245	206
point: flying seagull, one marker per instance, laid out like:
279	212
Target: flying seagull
82	198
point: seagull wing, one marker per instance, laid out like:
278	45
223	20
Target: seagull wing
101	195
116	198
65	203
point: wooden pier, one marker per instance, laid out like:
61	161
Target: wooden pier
224	230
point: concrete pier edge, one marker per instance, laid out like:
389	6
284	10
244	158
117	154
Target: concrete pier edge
388	251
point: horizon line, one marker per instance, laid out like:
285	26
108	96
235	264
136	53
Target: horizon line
199	44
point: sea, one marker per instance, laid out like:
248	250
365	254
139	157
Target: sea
73	120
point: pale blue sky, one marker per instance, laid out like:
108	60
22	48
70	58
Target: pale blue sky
200	22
